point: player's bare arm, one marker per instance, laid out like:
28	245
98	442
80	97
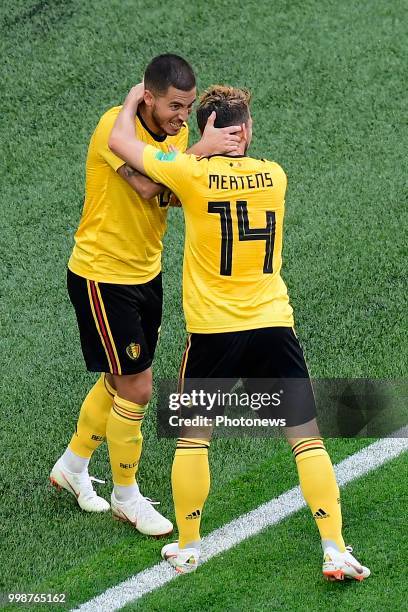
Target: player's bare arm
123	141
144	186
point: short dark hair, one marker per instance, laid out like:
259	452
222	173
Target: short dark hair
166	71
230	103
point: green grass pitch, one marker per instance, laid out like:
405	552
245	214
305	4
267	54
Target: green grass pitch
328	88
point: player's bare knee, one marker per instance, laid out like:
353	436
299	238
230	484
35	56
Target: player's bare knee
110	380
143	395
135	388
196	433
299	432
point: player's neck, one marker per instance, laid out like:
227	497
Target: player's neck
148	121
240	152
242	148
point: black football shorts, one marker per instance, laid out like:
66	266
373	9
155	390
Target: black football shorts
118	324
266	360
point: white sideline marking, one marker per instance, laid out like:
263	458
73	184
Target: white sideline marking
247	525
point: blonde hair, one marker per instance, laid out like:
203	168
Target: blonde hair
231	105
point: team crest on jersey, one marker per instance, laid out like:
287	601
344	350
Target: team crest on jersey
133	351
162	156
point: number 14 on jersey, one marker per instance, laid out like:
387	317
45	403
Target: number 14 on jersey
245	232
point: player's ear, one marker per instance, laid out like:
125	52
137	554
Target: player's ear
148	98
244	130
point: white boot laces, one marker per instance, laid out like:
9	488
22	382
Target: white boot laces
97	480
154	502
145	507
88	491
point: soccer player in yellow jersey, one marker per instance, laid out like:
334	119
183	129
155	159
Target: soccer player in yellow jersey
237	312
114	282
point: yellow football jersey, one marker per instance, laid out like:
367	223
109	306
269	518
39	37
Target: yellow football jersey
119	238
233	209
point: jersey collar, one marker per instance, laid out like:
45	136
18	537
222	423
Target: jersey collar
156	137
226	155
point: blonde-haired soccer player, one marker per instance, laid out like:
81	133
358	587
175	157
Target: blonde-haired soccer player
237	311
115	285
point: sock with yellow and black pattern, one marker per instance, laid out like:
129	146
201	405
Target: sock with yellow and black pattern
319	487
125	440
90	430
190	480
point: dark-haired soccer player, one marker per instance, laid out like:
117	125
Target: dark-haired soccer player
115	285
237	310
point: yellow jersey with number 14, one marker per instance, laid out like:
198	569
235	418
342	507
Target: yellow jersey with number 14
119	238
233	209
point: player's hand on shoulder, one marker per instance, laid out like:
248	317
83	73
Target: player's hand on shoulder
220	140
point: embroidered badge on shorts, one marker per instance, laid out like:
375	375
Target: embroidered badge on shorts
133	351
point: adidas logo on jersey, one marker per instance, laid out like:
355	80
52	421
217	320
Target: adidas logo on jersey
194	515
320	514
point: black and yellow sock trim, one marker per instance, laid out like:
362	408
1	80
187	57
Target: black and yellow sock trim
306	445
192	444
128	410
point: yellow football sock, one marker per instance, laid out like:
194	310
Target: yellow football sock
190	479
124	437
319	487
91	426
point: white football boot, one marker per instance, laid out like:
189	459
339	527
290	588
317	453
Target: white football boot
184	560
339	565
80	486
140	513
